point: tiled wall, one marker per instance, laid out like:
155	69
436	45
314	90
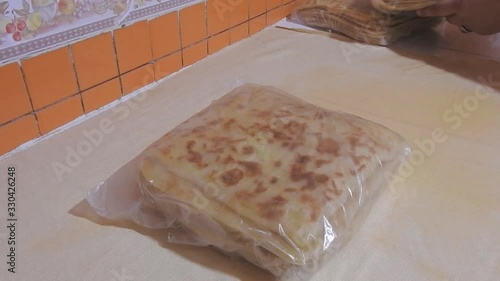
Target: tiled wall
31	26
44	92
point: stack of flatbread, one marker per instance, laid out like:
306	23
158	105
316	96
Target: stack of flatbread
266	176
395	6
359	20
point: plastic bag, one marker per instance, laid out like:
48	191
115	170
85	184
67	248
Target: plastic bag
359	20
258	174
396	6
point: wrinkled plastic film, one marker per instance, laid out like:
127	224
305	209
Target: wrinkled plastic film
258	174
399	6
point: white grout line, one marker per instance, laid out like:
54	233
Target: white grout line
104	108
89	115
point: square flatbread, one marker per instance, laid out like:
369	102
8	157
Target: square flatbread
267	176
395	6
359	20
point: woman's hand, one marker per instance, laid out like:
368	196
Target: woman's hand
479	16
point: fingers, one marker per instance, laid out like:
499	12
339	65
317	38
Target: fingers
453	19
461	24
442	9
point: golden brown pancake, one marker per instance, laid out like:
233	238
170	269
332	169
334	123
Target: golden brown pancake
270	177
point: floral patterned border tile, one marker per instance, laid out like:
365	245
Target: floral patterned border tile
29	27
146	8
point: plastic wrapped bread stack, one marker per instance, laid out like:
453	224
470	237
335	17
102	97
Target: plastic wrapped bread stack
362	20
259	174
397	6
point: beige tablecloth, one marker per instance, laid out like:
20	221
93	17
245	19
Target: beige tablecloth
441	222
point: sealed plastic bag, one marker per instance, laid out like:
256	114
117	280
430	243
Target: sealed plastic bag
258	174
359	20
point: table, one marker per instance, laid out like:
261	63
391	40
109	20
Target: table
441	222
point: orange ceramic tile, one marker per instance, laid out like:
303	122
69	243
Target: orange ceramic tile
167	65
239	12
218	42
14	100
257	7
59	114
95	60
194	53
101	95
287	9
165	36
137	78
133	46
238	33
257	24
193	24
17	132
271	4
274	16
217	16
50	77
